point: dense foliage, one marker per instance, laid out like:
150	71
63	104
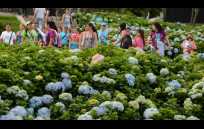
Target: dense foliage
52	83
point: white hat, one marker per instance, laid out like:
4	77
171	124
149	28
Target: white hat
28	22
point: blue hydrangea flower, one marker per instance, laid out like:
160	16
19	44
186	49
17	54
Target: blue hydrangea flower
130	79
65	75
60	86
101	111
175	84
176	50
201	56
50	87
67	83
117	105
86	90
35	102
55	87
44	112
19	111
47	99
169	53
10	116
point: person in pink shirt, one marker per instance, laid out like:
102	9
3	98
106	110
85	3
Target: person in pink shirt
139	41
189	45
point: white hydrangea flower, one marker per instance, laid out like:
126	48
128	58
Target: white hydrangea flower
39	118
65	97
121	96
22	94
96	77
132	60
134	104
26	82
112	71
106	93
179	117
188	105
150	112
168	89
198	85
85	117
141	99
197	95
151	78
61	106
164	71
192	118
13	90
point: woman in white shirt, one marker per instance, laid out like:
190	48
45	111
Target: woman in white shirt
8	36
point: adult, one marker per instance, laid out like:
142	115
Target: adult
52	38
189	45
8	36
67	19
125	38
103	35
39	17
89	38
158	38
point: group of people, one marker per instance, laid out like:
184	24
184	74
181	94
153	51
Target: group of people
157	39
44	32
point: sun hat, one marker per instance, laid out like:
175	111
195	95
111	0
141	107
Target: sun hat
28	22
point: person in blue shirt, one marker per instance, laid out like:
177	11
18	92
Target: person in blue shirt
64	36
103	35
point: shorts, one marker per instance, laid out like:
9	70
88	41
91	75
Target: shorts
40	23
67	25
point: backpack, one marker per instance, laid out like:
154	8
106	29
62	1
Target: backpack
126	42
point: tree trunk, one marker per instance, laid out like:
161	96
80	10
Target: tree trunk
194	15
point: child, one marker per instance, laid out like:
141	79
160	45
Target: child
19	34
189	45
8	36
34	33
64	36
103	35
74	39
139	41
